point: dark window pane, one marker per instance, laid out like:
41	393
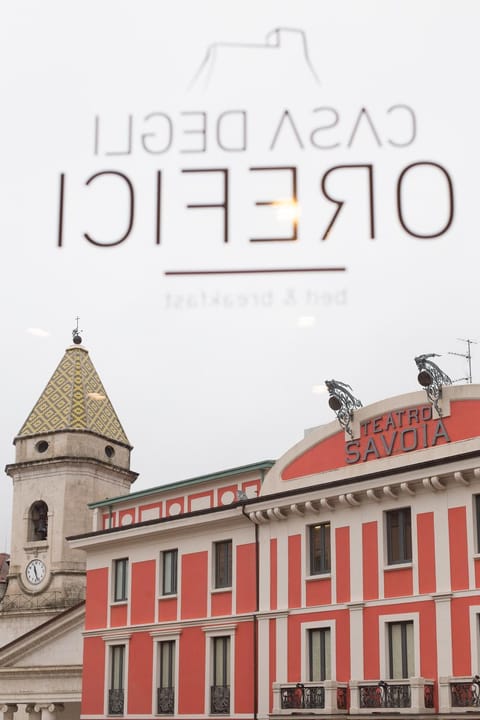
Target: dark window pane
320	561
223	564
169	584
399	536
120	570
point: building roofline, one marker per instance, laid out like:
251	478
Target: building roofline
285	493
242	469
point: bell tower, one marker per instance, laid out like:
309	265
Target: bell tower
71	450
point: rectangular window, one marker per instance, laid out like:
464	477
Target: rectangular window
319	654
120	579
169	572
166	680
117	671
320	561
400	649
399	536
223	564
220	690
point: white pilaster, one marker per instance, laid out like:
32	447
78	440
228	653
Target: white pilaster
282	570
442	548
444	647
356	639
263	667
282	647
356	560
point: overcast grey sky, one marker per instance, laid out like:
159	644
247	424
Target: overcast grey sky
372	104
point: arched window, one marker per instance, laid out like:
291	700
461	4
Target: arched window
38	521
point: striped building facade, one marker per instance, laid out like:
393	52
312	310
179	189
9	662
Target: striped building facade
341	580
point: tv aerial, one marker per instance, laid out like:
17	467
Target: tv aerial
467	356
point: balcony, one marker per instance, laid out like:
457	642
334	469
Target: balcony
165	700
326	697
459	694
406	696
115	702
220	699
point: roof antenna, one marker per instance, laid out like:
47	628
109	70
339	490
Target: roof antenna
76	333
467	356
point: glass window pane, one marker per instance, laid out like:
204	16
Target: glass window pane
399	536
221	661
319	654
223	564
401	649
320	549
169	582
120	569
167	663
117	659
409	643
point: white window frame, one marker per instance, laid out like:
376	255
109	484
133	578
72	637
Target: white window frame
401	563
324	573
384	622
210	633
161	570
305	660
213	566
160	636
124	601
120	638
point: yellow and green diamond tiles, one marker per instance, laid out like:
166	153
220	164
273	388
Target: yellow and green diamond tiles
67	402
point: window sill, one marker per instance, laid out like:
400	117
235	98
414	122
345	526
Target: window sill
168	596
36	545
215	591
319	576
398	566
115	603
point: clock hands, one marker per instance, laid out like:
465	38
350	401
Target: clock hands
35	571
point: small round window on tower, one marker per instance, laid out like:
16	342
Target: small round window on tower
109	451
41	446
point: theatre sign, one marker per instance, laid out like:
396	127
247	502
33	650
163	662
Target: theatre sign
403	430
388	431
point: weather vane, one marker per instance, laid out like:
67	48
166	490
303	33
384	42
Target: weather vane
76	333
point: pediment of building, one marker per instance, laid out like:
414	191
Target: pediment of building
56	643
399	431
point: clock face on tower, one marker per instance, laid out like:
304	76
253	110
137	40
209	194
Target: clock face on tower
35	571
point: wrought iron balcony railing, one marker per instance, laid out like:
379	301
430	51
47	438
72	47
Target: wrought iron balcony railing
165	700
327	696
465	694
460	694
385	695
115	702
410	694
220	699
301	696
